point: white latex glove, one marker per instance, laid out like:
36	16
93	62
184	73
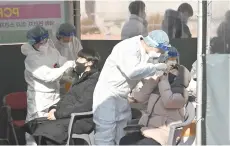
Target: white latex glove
161	67
70	64
156	76
69	71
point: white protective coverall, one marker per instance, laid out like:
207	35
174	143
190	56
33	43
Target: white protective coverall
69	51
42	80
123	69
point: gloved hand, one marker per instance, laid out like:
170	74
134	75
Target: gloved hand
161	67
70	64
157	76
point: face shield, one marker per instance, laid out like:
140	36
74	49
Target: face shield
65	34
43	43
66	41
68	45
164	53
157	39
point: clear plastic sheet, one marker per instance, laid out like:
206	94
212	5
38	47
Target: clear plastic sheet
218	94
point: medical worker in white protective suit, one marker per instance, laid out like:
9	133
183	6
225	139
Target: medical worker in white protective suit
66	41
44	66
130	61
68	46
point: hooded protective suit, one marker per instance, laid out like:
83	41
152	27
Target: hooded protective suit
123	69
69	50
42	78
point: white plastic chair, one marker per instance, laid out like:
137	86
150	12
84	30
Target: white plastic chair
176	128
89	138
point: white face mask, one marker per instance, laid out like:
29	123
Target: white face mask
153	61
154	57
67	45
43	48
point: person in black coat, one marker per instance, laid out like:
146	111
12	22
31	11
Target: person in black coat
78	99
175	22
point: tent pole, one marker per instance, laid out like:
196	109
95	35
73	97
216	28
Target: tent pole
199	74
209	26
77	17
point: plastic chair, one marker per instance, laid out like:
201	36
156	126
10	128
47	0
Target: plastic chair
16	100
89	138
18	104
176	129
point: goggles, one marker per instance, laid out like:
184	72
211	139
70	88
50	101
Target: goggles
163	47
67	34
41	39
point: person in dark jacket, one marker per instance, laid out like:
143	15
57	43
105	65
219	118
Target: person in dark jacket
137	23
221	43
175	22
78	99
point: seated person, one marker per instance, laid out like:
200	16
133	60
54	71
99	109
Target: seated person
173	58
166	95
78	99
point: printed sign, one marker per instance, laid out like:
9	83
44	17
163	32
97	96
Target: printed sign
26	15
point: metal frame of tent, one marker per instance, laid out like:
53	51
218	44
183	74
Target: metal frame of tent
203	45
